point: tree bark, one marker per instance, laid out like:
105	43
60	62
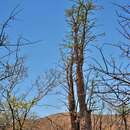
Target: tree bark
71	97
85	121
85	114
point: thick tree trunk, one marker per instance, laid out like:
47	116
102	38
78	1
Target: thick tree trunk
85	121
85	114
71	97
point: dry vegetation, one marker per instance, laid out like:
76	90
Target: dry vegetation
61	121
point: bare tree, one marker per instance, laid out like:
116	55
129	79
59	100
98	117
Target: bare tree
114	85
69	86
14	104
80	36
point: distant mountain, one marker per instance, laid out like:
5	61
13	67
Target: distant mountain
61	121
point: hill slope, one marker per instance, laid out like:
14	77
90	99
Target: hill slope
61	121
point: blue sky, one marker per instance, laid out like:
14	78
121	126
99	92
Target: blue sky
45	20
